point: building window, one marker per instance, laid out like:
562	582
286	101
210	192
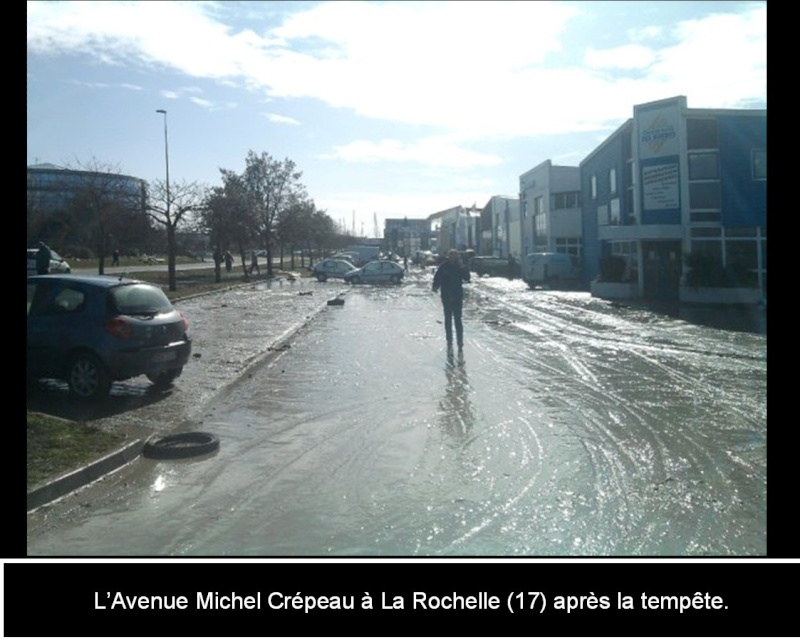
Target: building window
572	246
566	200
705	195
594	187
627	250
703	166
701	133
602	215
538	205
759	164
612	180
614	211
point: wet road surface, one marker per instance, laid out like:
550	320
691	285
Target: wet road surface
569	427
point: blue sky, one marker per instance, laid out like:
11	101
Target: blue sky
389	108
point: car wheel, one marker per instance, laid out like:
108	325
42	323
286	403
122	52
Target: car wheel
396	279
181	445
87	377
321	278
355	280
164	379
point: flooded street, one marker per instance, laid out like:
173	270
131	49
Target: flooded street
569	427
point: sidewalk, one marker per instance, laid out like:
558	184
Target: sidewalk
232	331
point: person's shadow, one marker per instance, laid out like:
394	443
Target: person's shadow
456	411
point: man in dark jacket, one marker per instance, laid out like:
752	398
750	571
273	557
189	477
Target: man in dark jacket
449	278
43	256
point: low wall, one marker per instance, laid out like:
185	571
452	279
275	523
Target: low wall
614	290
719	295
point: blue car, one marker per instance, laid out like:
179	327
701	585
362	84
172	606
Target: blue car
93	330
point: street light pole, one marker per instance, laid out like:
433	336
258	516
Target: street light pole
169	224
166	154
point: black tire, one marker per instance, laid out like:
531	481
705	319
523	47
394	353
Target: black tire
87	377
321	278
396	279
181	445
355	280
164	379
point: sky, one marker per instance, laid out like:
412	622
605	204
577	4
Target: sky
389	109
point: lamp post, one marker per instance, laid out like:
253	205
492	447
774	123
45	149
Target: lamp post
166	153
169	225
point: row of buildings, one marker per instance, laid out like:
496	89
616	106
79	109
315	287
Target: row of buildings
671	206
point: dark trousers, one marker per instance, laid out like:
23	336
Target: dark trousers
452	314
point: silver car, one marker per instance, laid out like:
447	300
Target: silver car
375	272
332	268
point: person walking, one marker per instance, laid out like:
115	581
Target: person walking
43	257
254	263
449	278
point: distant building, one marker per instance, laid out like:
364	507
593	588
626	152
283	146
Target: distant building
455	228
500	228
550	204
51	188
677	197
406	236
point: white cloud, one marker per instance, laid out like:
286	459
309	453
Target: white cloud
279	119
473	69
631	56
436	152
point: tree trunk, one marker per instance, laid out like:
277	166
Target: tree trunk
171	257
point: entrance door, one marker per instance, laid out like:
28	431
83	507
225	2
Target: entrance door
662	269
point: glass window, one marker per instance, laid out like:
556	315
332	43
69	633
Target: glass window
602	215
594	187
701	133
703	166
612	180
704	195
140	299
614	210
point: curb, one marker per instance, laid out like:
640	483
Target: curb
74	480
78	478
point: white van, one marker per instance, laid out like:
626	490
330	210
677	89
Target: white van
550	269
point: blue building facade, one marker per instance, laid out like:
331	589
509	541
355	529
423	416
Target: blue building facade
675	199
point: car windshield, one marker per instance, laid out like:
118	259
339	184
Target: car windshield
140	299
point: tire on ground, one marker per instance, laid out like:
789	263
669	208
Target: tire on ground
181	445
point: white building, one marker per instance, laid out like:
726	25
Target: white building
550	204
501	228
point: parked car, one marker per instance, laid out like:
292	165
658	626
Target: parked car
493	266
351	256
332	268
375	272
93	330
57	263
551	269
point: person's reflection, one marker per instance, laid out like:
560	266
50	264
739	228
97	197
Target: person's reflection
456	411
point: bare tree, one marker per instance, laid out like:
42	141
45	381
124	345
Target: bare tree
170	207
104	203
271	186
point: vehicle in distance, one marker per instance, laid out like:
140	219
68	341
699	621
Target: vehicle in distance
553	270
332	268
374	272
93	330
493	266
57	263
